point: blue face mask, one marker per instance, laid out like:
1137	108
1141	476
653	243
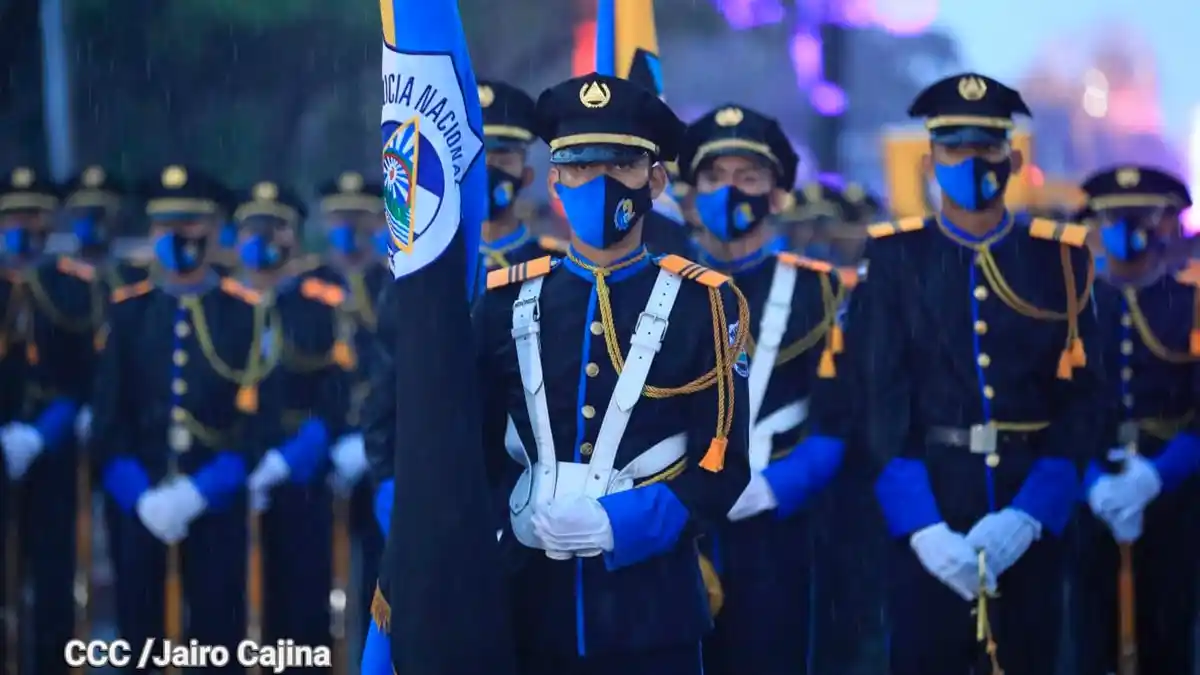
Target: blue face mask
603	211
974	183
258	253
180	254
86	231
16	241
1123	242
729	213
344	239
228	236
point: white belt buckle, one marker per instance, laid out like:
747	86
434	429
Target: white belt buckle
983	438
660	329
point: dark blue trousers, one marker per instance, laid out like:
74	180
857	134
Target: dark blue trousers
213	569
681	660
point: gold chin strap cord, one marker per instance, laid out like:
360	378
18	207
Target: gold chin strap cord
726	354
983	623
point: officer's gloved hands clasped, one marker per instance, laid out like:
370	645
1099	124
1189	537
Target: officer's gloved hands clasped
1004	536
1120	499
755	499
22	444
946	555
349	457
578	525
272	470
169	509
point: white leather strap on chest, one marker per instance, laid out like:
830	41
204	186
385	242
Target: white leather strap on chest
526	332
771	329
645	344
762	434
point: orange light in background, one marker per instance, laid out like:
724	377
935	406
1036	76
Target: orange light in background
583	59
1037	177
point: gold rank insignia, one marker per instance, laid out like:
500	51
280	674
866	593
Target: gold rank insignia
350	181
594	95
1129	178
266	191
174	177
729	117
22	177
972	88
486	96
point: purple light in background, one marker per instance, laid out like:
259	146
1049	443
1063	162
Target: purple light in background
833	180
827	99
805	50
905	17
743	14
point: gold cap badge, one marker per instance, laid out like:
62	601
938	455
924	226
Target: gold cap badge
22	178
729	117
350	181
594	95
266	192
174	177
813	193
854	193
93	177
486	96
1129	178
972	88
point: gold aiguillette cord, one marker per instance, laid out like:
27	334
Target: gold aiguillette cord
983	624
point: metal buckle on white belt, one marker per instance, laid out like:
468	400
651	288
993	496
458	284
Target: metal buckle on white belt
984	438
535	315
660	327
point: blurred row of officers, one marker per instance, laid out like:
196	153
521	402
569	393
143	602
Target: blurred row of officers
664	398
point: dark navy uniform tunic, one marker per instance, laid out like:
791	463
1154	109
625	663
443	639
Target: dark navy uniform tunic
627	600
764	561
1146	336
180	380
960	331
518	246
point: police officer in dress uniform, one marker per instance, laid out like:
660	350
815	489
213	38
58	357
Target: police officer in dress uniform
351	212
740	163
621	445
508	128
980	398
176	424
1148	499
43	396
92	207
309	339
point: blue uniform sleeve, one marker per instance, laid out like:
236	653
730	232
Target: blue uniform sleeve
377	653
695	497
385	498
1049	492
304	451
906	497
1178	461
220	479
56	424
808	469
125	481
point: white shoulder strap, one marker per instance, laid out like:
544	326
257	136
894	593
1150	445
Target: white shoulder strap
770	334
644	346
526	329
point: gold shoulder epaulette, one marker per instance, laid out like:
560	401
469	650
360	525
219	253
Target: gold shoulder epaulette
533	269
910	224
323	292
793	260
76	268
692	271
848	276
548	243
240	291
131	291
1071	234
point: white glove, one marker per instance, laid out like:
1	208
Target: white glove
947	556
349	457
186	502
260	501
1120	496
21	444
1004	536
756	498
272	470
578	525
1126	530
155	512
83	424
